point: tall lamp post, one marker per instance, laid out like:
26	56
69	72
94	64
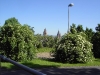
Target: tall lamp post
70	5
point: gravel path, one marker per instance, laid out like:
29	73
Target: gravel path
44	55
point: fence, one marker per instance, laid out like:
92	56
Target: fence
30	70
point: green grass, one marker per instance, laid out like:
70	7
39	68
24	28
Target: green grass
44	49
41	63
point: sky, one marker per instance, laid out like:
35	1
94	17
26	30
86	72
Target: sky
51	14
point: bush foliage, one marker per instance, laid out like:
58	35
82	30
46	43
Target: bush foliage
73	48
17	41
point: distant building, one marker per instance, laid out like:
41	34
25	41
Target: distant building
58	34
45	32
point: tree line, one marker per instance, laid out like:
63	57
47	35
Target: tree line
19	42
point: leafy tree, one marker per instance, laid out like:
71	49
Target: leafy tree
39	40
51	41
73	29
89	33
80	28
45	41
11	21
17	41
96	45
98	28
96	42
73	48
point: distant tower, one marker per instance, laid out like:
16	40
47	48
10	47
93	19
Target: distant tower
45	32
58	34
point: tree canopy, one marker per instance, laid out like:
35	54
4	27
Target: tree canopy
17	41
11	21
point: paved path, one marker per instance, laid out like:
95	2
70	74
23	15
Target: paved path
58	71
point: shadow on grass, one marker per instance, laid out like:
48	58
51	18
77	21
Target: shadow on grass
32	65
51	70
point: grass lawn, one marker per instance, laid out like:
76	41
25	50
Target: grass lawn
41	63
44	49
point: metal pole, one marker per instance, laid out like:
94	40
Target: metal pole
68	19
30	70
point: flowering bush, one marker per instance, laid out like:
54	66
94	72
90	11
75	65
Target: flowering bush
17	42
73	48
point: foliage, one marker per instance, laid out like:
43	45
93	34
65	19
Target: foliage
11	21
39	40
44	41
89	33
80	28
98	28
73	48
96	45
96	42
73	29
51	41
17	41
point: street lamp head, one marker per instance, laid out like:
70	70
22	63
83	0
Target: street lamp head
71	4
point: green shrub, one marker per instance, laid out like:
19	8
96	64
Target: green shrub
17	41
73	48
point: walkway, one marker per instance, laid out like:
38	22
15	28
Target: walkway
59	71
